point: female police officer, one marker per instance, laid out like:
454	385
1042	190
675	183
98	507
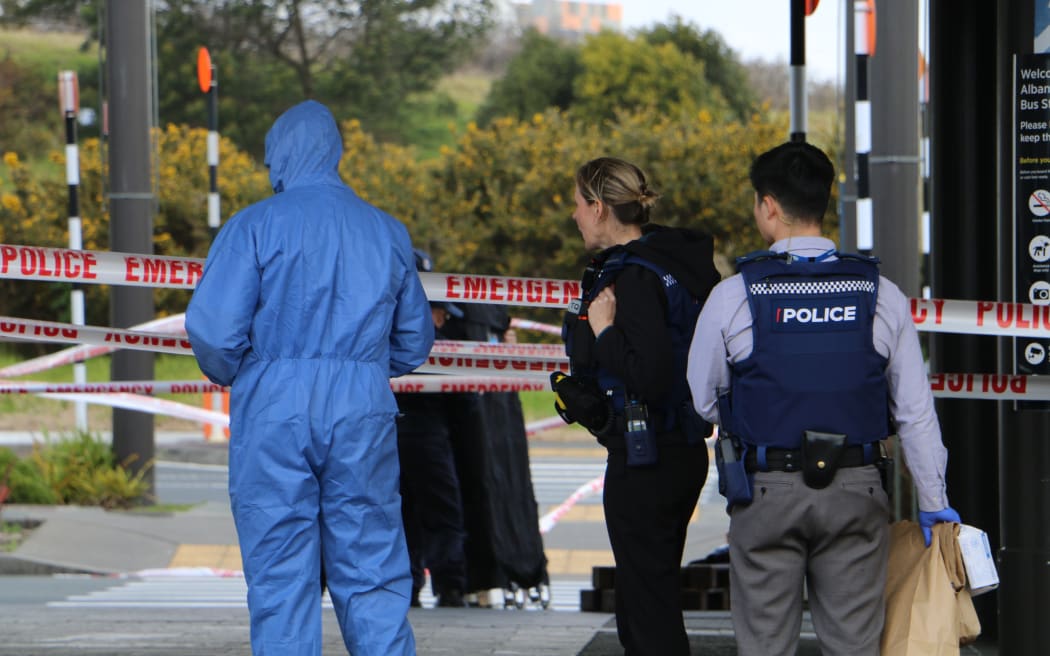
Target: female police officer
627	339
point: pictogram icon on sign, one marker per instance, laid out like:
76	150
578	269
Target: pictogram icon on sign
1039	202
1039	248
1039	293
1034	353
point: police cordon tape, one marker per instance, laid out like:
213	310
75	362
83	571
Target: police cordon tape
112	268
115	387
534	366
417	383
524	351
67	333
146	404
1004	319
174	324
404	384
999	387
528	324
539	359
549	520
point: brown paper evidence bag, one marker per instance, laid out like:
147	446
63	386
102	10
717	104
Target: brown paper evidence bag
928	607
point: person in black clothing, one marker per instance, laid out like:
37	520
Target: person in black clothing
431	504
627	340
504	547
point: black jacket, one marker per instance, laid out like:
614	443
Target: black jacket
637	348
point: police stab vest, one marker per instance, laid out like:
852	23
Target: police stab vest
682	311
813	365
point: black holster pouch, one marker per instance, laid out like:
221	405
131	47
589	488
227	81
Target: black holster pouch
820	457
885	466
580	400
734	483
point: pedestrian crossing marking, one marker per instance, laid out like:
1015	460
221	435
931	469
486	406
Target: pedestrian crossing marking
232	592
218	556
576	561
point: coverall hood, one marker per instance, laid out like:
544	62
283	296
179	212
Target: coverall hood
303	147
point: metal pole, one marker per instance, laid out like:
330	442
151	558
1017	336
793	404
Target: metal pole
69	99
131	204
206	75
894	162
848	190
798	70
963	206
1024	434
863	233
213	155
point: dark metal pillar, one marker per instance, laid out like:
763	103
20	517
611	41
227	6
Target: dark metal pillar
963	206
1024	435
798	70
131	207
848	179
896	176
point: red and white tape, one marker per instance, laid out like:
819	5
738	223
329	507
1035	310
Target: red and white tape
99	267
110	268
541	425
174	325
102	267
114	387
981	317
147	404
519	351
67	333
539	359
444	384
996	387
548	521
518	367
528	324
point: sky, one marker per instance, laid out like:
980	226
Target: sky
755	29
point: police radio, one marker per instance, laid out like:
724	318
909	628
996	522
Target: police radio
638	436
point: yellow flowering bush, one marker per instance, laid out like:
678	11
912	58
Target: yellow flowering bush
498	201
34	212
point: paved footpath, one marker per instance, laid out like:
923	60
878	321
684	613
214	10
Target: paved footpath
91	582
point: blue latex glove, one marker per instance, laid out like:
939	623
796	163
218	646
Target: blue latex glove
928	519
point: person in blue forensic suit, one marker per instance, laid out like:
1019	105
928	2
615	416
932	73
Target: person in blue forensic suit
308	304
808	359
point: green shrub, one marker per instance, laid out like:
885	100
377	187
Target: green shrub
79	469
26	482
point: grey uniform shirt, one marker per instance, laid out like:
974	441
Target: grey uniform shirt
723	337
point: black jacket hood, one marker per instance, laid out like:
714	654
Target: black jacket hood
687	254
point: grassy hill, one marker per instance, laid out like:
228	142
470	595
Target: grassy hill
47	52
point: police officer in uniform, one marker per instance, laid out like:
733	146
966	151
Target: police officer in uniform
807	359
627	339
431	504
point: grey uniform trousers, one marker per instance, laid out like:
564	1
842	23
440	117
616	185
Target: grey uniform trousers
836	540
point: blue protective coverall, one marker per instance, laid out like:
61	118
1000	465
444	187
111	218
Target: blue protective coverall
308	303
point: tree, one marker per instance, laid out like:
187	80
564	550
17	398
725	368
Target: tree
540	76
363	58
722	67
620	74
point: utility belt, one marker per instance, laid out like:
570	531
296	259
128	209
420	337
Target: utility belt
663	434
635	428
790	460
819	458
